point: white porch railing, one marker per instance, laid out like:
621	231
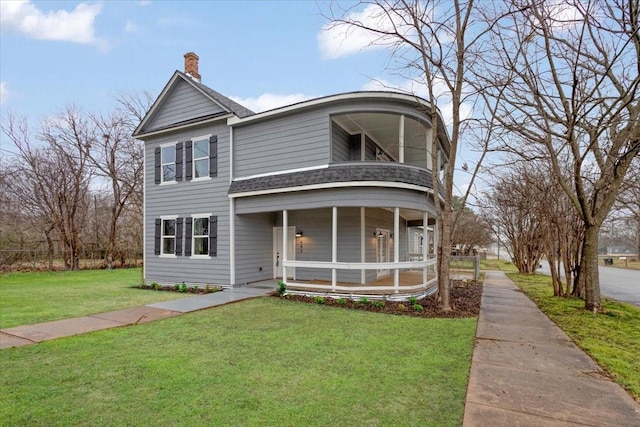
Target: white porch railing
391	266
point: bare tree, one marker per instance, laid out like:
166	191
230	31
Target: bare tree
434	43
571	72
470	231
51	181
514	210
118	158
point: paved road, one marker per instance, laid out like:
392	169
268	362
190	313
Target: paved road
617	283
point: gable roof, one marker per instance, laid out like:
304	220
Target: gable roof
217	99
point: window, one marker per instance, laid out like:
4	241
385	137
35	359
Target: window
168	163
168	237
201	235
201	158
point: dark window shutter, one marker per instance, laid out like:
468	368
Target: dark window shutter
179	161
213	235
158	236
188	232
158	165
179	236
213	156
189	162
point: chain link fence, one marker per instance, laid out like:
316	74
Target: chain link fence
42	260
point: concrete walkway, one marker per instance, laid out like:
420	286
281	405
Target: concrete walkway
31	334
525	371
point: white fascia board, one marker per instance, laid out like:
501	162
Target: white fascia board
329	99
328	185
284	172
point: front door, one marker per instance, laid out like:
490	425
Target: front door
277	251
382	250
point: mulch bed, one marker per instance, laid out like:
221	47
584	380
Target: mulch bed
191	289
464	298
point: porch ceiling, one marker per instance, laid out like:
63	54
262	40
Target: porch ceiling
384	129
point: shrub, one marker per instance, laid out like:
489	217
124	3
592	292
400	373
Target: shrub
318	299
413	300
364	300
341	301
378	304
282	288
176	287
417	307
183	287
402	307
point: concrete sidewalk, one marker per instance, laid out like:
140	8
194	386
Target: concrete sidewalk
525	371
31	334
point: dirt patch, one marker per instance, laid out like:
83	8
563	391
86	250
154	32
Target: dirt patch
465	300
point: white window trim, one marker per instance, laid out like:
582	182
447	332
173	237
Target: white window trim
193	159
168	144
193	239
165	218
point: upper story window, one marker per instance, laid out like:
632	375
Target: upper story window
201	158
168	163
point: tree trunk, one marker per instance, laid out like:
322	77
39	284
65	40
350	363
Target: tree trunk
444	258
588	273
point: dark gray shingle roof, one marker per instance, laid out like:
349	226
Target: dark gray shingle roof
228	104
345	172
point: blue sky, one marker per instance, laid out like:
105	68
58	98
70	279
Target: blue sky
262	54
87	53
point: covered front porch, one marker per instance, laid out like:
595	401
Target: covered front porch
355	252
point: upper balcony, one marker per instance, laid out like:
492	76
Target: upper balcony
381	137
380	127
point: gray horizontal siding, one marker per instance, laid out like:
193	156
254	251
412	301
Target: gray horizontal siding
340	143
184	199
254	247
183	103
296	141
358	196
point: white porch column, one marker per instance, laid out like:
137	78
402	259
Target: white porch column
429	142
285	241
334	244
363	242
435	243
401	139
425	244
396	248
232	241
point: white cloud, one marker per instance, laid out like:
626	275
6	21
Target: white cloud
76	26
4	92
269	101
337	39
130	27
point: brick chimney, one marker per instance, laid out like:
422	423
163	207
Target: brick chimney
191	65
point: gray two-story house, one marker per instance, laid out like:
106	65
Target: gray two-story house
330	195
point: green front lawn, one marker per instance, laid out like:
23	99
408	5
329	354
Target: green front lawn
27	298
612	337
259	362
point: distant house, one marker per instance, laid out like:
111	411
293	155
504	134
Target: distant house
329	195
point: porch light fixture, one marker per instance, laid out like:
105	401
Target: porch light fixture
378	234
298	232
